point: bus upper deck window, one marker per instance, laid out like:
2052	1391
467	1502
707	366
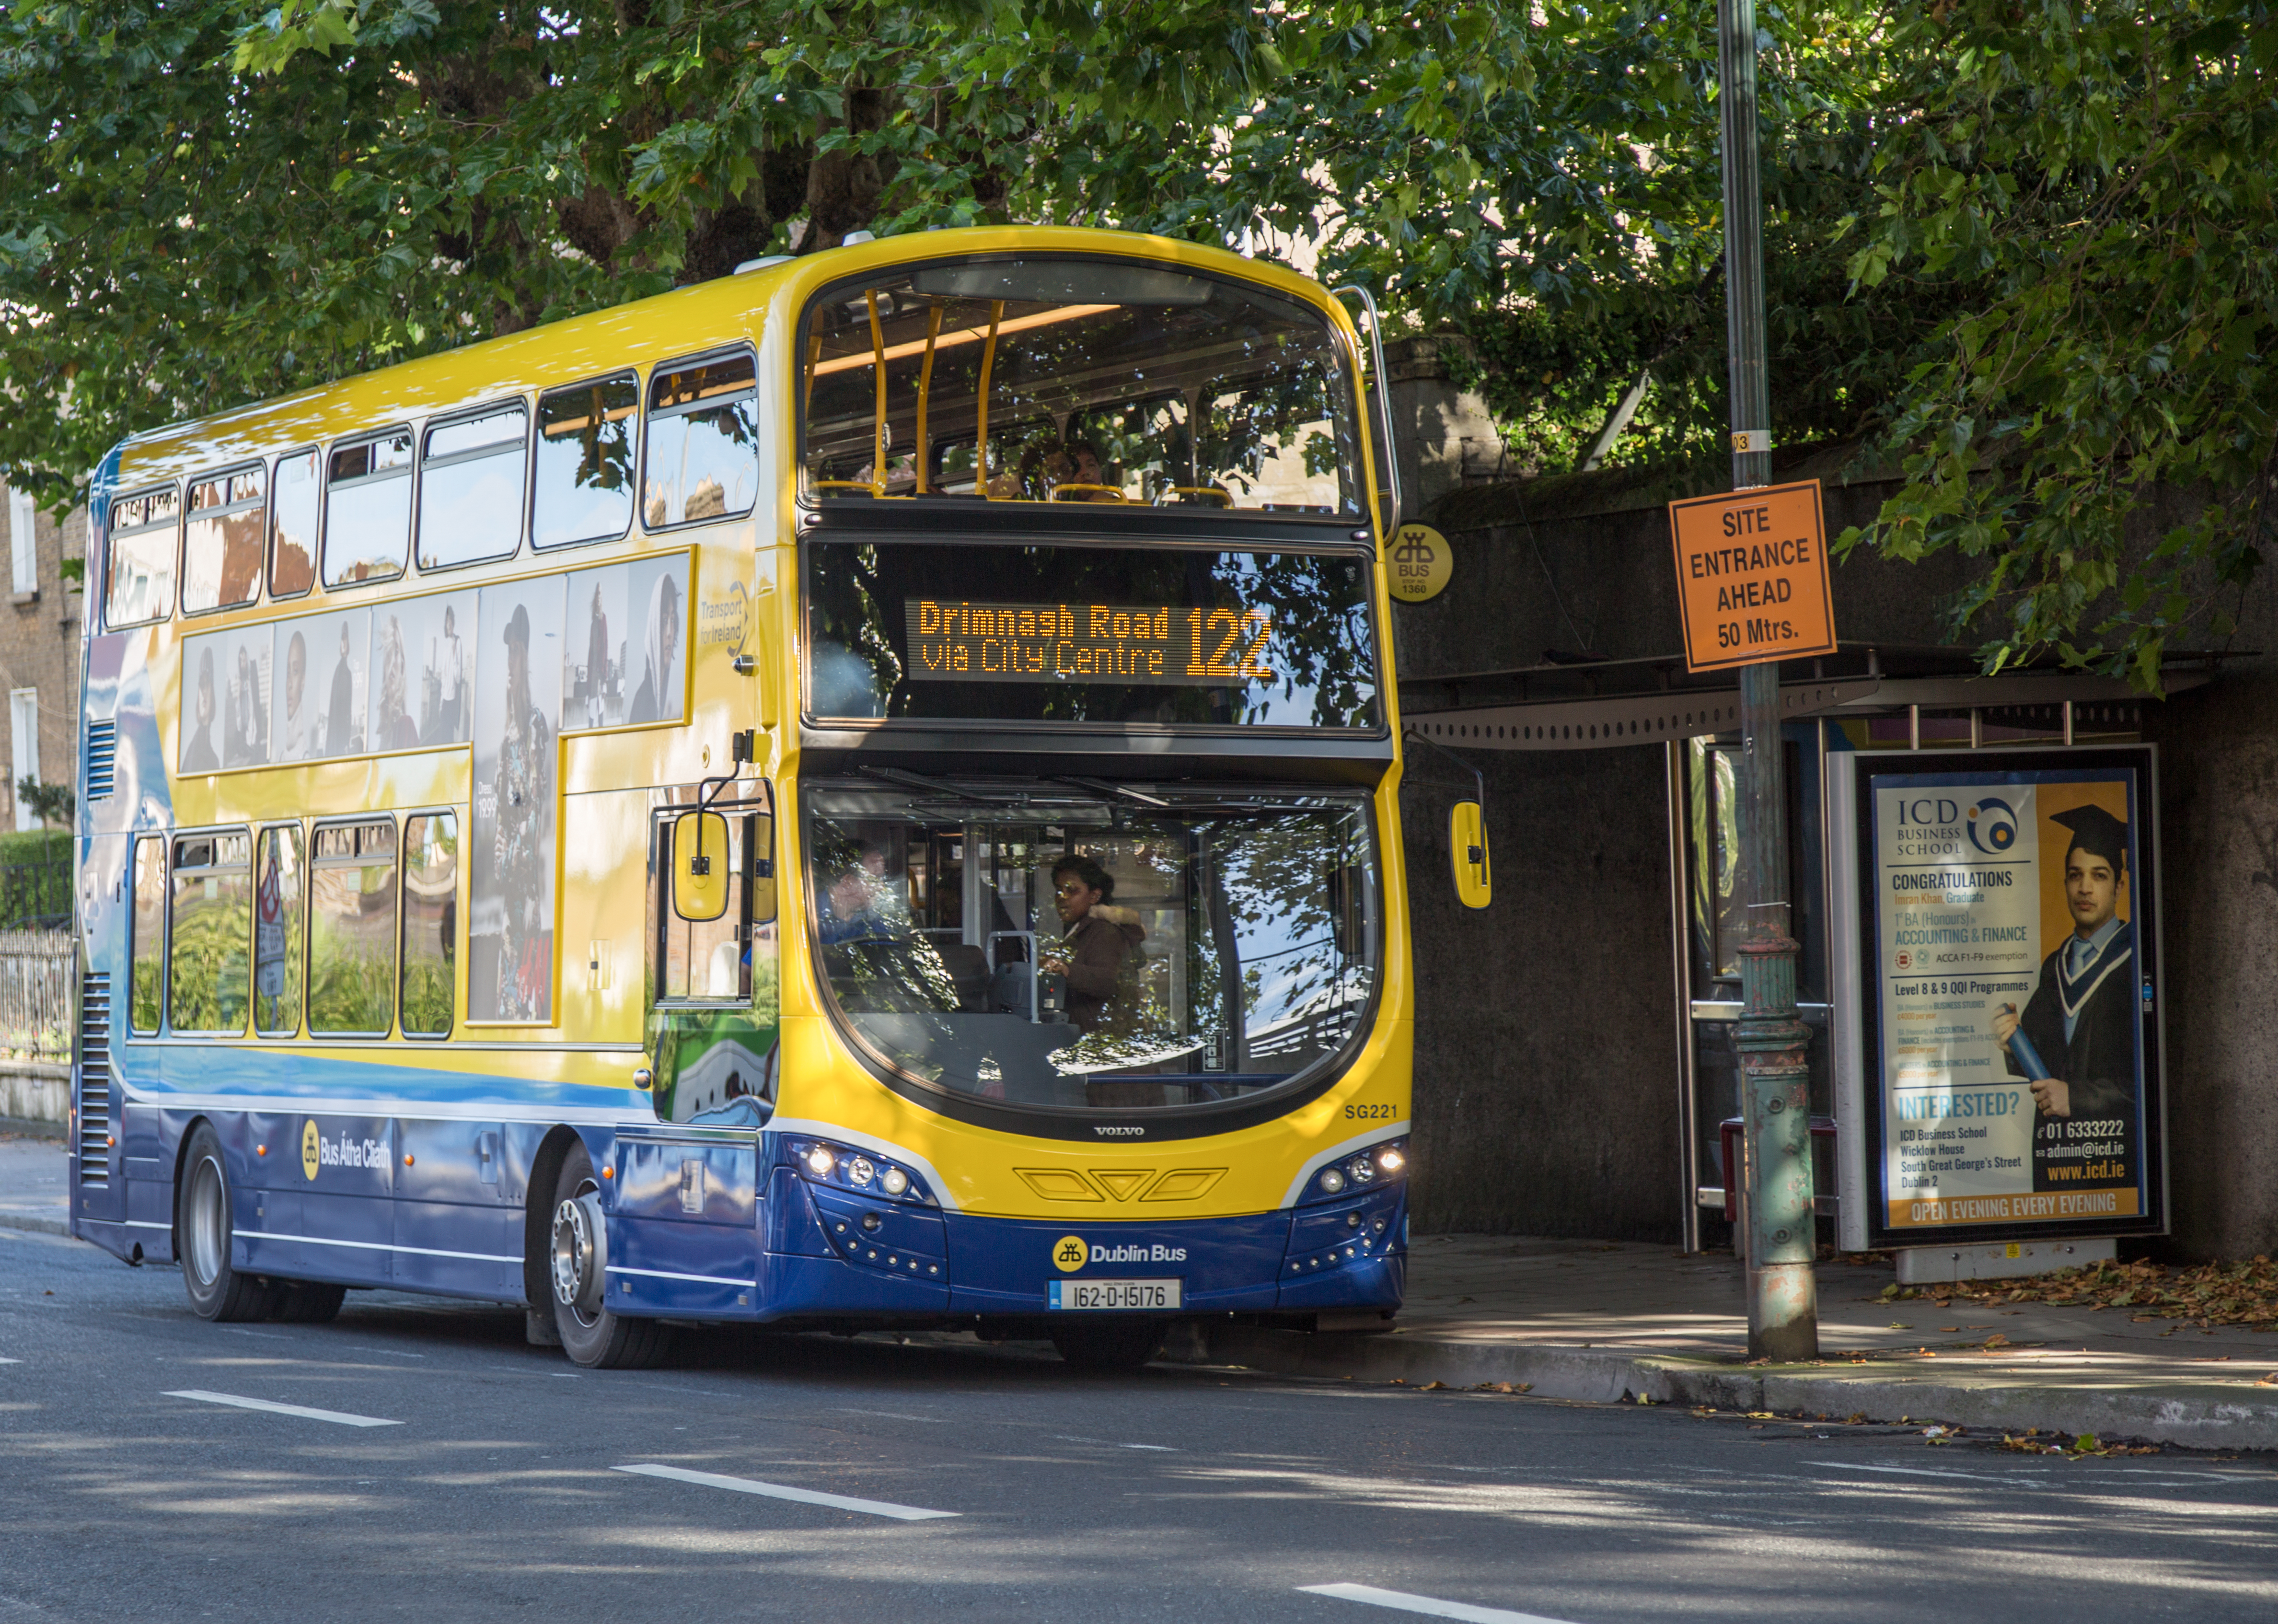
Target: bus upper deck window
585	477
703	443
144	531
221	548
368	510
470	487
209	965
1076	380
293	527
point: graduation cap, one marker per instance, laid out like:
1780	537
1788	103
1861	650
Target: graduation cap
2097	832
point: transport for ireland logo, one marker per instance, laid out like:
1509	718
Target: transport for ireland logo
1069	1252
1993	826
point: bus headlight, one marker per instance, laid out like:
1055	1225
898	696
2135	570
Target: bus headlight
895	1182
1390	1158
819	1161
860	1171
1331	1181
1362	1170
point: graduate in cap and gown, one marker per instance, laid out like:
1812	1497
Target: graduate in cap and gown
2082	1021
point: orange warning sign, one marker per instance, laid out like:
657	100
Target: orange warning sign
1752	581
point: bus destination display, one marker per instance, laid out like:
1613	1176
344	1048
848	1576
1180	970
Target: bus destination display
954	641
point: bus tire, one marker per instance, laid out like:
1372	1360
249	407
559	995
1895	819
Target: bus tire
1110	1347
201	1219
309	1302
597	1339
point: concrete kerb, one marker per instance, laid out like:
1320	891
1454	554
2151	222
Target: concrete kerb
37	1225
2197	1416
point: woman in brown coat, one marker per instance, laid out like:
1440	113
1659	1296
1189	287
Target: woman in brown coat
1095	939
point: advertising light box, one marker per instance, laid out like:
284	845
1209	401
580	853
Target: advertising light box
2007	1071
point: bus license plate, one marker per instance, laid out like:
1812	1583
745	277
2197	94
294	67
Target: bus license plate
1116	1296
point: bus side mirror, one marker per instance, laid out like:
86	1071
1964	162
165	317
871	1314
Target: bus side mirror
1467	843
699	866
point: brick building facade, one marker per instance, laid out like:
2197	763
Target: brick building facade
39	652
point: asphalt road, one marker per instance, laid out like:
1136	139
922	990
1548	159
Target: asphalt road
501	1486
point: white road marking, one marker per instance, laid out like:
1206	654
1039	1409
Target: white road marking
11	1361
784	1491
892	1415
1166	1448
337	1417
1431	1607
1974	1477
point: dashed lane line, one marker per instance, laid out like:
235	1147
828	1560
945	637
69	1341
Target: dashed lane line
337	1417
784	1491
1431	1607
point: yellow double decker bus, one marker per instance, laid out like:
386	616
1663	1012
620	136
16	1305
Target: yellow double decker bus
857	794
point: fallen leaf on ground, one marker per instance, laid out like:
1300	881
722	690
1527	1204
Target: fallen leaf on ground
1429	1387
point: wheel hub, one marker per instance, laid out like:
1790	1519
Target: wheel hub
580	1255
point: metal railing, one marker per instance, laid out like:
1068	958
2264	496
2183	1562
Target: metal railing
36	894
35	994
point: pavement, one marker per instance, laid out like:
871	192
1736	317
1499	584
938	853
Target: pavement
1604	1323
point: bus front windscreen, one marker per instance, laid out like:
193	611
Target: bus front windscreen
1087	635
1069	380
1040	945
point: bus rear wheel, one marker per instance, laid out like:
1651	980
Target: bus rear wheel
201	1219
1109	1346
578	1265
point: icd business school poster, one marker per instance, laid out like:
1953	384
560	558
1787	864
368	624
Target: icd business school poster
2009	974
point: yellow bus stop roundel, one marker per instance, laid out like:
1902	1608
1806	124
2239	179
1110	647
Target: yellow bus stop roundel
1422	560
1069	1253
309	1147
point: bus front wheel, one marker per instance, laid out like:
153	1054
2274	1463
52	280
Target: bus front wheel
578	1265
1109	1346
202	1221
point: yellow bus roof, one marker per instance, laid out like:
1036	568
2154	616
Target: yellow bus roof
684	322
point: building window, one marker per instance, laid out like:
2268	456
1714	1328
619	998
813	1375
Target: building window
23	751
23	542
210	985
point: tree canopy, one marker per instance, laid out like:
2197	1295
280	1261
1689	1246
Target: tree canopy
2019	248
